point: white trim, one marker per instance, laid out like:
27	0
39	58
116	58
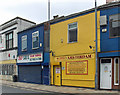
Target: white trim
115	71
68	32
111	71
38	39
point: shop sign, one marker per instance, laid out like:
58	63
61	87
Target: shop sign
64	58
77	67
30	58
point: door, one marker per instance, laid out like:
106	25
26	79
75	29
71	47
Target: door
57	75
46	75
106	73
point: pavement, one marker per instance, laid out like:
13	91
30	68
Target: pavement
58	89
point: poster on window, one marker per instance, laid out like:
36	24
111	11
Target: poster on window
57	70
77	68
30	58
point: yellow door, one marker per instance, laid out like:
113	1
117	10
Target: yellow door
57	75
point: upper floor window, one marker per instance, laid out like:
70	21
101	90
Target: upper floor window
72	32
35	40
115	25
24	43
9	40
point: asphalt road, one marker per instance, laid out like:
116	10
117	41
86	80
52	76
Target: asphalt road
18	90
12	90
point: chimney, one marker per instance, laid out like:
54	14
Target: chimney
55	16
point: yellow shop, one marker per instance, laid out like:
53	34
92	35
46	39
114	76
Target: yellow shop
76	70
72	50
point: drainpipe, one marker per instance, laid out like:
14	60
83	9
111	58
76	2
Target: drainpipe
49	38
96	73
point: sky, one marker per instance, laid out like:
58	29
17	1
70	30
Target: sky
37	10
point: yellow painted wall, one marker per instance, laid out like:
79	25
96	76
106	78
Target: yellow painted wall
8	62
86	38
80	80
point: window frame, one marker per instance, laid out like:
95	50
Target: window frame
22	42
115	71
0	39
38	39
71	29
7	69
7	41
111	26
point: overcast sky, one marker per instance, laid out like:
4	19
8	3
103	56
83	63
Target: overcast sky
36	10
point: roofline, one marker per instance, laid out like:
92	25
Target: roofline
17	18
74	14
31	27
108	5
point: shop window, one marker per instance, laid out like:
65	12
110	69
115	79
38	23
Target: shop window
72	32
24	43
116	71
115	25
9	40
35	40
7	69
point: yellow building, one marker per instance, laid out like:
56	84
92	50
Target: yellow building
72	46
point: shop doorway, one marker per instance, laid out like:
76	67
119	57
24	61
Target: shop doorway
57	75
106	73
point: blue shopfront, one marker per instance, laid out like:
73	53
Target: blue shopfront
33	58
110	47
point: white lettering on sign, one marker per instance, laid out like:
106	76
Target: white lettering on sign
30	58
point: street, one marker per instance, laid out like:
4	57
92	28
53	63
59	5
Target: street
13	89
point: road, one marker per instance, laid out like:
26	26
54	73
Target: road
12	89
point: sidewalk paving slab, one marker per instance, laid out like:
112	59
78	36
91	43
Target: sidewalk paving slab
59	89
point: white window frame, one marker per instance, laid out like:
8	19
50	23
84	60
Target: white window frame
38	39
70	29
23	38
115	71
